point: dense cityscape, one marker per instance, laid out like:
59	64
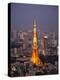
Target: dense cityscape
21	44
33	40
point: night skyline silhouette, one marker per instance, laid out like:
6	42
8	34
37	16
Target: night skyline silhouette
22	16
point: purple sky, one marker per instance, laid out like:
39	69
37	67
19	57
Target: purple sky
22	16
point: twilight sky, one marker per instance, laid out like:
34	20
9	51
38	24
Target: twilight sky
22	16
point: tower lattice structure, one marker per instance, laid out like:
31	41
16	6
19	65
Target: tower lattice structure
35	57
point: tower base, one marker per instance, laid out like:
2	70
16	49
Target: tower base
35	58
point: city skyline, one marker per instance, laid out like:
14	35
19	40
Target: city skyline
33	40
22	16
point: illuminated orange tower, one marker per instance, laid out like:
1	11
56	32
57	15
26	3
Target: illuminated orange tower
35	58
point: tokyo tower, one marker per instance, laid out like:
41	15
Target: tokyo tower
35	57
